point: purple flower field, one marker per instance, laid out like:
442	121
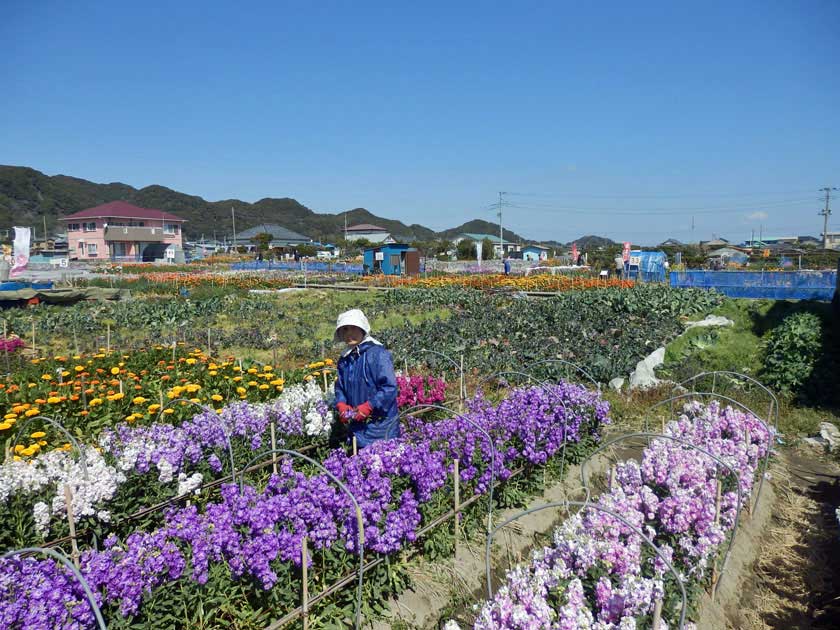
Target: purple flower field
255	535
598	573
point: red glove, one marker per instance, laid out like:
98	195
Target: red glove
363	412
345	412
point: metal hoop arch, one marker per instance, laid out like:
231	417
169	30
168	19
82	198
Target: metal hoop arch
458	368
653	436
97	613
774	401
585	505
572	364
743	407
57	425
360	529
212	413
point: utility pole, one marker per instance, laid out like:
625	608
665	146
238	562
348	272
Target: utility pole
233	216
826	212
501	234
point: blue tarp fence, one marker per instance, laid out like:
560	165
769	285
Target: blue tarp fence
776	285
324	267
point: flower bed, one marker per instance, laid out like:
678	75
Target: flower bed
599	573
254	537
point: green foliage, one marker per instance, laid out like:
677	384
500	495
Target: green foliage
487	252
466	250
262	241
606	331
792	351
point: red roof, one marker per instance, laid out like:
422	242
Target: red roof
366	227
121	210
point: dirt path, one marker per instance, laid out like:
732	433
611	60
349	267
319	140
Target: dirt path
795	582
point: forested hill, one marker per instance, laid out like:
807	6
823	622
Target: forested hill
27	195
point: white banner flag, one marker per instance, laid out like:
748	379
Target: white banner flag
21	250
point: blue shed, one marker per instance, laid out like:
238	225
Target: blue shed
394	259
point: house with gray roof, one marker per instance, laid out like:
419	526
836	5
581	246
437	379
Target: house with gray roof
280	236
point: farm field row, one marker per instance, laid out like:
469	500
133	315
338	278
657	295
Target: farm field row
178	525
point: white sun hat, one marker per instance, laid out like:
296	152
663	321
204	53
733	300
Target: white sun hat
353	317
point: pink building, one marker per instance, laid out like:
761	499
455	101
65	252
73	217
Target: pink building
122	232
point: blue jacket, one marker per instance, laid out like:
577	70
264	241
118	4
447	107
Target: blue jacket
366	374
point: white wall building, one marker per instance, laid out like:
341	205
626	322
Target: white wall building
372	233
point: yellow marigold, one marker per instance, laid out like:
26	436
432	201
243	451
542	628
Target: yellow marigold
19	448
252	383
95	401
32	412
252	370
328	361
191	361
5	425
65	373
46	377
236	379
154	407
212	372
277	381
79	368
267	368
216	397
263	386
240	390
138	400
38	435
53	400
213	366
10	416
168	411
115	370
195	400
193	387
42	442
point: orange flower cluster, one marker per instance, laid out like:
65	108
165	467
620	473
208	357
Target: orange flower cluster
90	392
205	279
539	282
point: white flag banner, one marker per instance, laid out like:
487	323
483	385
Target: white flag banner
21	249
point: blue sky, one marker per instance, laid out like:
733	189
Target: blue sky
623	119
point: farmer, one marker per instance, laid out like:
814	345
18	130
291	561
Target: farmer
619	265
366	389
507	265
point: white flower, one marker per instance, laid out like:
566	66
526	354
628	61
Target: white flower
189	484
41	512
166	471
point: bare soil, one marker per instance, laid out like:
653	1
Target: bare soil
795	581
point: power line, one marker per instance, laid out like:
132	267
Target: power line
567	195
660	211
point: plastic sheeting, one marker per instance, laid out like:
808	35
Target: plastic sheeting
650	267
776	285
63	296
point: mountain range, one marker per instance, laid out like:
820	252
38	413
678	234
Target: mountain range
28	196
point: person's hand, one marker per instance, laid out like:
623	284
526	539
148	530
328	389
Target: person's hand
363	412
345	412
